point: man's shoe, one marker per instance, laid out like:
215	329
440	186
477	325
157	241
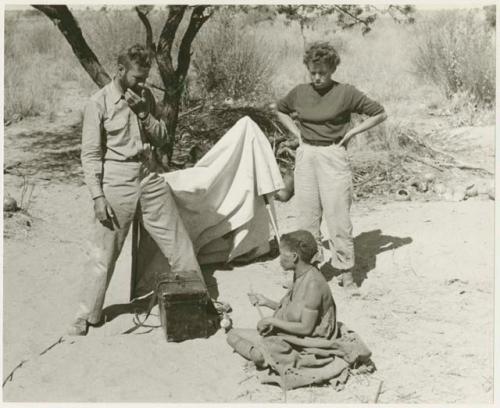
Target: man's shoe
78	328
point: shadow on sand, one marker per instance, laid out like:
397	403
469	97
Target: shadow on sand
367	246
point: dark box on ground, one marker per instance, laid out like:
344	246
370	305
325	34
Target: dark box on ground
184	307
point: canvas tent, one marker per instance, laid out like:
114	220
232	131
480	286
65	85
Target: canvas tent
220	201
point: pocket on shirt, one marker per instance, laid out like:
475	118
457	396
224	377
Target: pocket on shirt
116	125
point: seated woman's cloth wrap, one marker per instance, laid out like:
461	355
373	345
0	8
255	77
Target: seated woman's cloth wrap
294	361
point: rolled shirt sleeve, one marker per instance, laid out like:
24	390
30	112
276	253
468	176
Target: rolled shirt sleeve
362	104
92	148
155	129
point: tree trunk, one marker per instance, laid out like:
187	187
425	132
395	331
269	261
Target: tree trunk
170	114
62	17
171	117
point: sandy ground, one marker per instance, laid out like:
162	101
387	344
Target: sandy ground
425	305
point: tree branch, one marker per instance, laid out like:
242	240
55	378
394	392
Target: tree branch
164	48
167	35
405	11
198	18
143	16
62	17
344	10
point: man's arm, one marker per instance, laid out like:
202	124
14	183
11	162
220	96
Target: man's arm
155	129
144	107
92	154
92	159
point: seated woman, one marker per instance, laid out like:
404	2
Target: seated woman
303	340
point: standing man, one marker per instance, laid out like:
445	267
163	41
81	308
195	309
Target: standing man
119	127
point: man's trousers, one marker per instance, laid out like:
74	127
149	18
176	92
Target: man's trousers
127	185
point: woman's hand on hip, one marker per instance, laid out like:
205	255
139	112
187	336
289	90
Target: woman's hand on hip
345	140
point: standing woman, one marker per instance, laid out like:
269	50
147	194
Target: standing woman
323	177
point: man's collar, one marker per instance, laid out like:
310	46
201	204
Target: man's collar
115	92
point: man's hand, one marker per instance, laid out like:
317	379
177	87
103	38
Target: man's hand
102	210
138	104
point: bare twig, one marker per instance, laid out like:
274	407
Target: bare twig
11	374
155	86
424	162
458	163
61	340
465	166
26	196
379	390
188	112
24	189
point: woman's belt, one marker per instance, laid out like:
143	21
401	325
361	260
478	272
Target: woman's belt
320	142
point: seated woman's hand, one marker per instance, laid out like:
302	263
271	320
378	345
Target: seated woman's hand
257	299
264	326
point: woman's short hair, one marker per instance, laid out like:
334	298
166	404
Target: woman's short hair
321	52
136	54
302	242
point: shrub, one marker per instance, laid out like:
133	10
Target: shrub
456	51
232	61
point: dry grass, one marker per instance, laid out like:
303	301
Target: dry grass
37	61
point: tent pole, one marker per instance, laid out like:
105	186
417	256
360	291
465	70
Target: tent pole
135	253
271	218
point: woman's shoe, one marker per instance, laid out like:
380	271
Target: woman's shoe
347	280
78	328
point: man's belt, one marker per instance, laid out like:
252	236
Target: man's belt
320	142
138	158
